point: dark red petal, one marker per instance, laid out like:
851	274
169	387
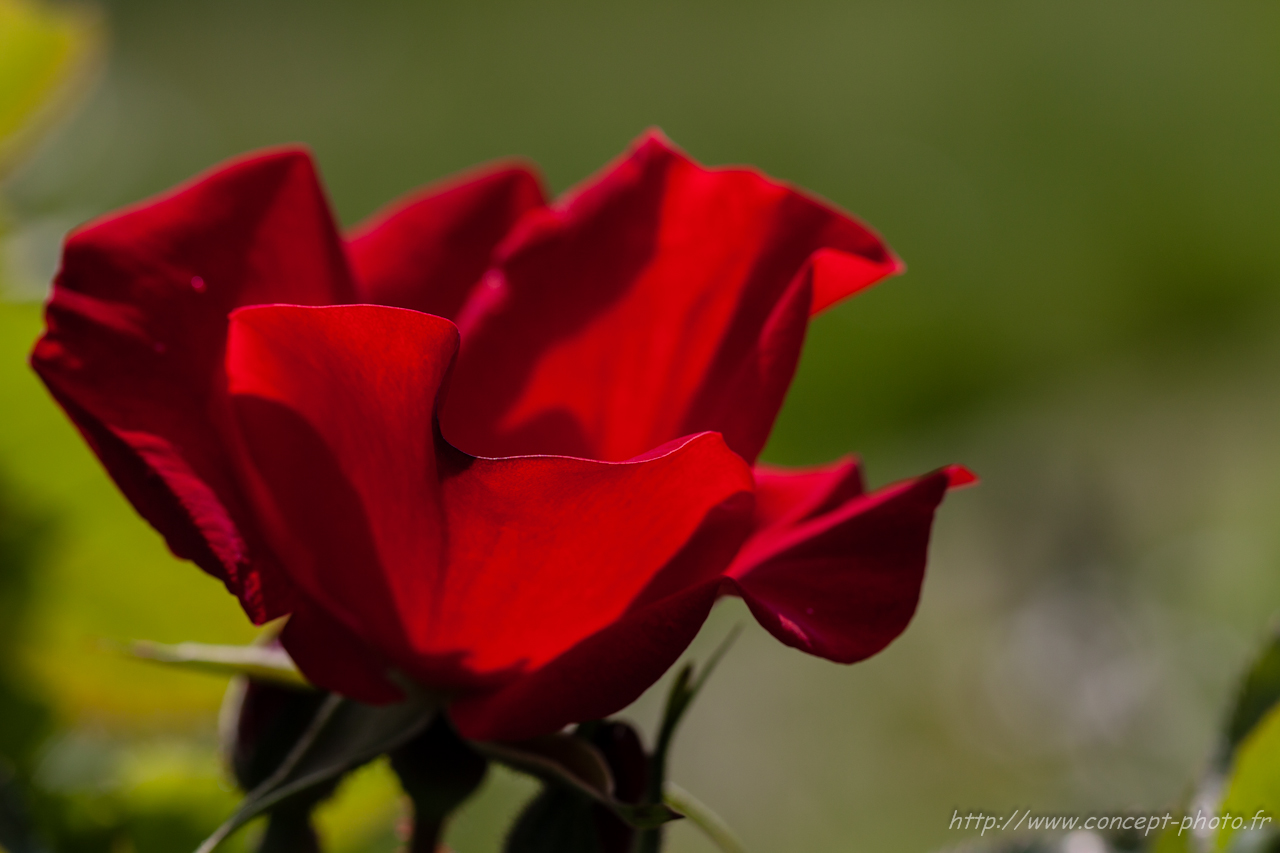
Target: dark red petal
134	345
840	582
658	300
336	659
428	250
610	669
595	678
462	572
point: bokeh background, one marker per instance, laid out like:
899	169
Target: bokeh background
1087	194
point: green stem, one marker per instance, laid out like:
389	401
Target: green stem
712	825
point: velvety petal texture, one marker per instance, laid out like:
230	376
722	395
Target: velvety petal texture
397	535
499	447
658	300
426	252
137	325
834	571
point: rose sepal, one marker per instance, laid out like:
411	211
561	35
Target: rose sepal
342	736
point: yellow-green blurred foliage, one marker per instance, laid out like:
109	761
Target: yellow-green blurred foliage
1087	195
46	54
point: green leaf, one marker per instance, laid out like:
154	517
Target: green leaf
263	663
1171	841
1253	841
343	736
572	763
1253	785
1258	693
684	690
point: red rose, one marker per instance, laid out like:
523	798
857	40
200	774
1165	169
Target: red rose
511	457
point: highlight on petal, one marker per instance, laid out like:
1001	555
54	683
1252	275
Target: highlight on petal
832	571
428	250
135	335
660	299
464	573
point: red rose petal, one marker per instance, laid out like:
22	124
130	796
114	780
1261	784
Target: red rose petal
427	251
462	572
785	496
335	658
135	337
598	676
656	304
839	581
660	299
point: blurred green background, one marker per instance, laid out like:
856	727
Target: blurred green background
1087	195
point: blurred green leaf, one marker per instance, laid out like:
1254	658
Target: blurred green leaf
1259	692
264	663
1253	785
1253	841
684	690
1170	841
